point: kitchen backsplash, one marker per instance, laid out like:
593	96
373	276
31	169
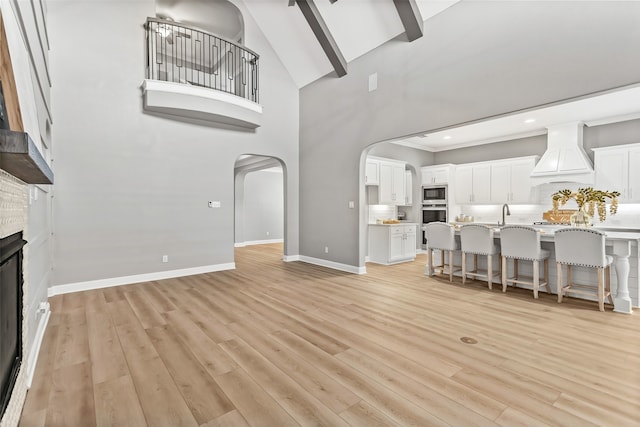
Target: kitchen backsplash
382	212
628	214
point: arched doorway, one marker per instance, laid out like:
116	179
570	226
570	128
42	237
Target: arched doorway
260	201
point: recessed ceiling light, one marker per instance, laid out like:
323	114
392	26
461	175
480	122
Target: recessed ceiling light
530	120
447	137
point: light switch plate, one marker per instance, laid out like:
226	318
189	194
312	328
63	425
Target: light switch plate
214	204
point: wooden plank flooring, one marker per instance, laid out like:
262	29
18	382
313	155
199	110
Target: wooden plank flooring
276	344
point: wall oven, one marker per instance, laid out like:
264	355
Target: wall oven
432	213
434	195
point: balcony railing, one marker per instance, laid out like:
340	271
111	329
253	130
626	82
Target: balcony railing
180	54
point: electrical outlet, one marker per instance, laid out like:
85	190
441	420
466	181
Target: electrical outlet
326	249
267	233
165	258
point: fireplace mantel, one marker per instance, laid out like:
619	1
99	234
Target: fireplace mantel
20	157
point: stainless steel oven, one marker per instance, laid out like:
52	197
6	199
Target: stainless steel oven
432	213
434	195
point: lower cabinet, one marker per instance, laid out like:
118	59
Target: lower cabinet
390	244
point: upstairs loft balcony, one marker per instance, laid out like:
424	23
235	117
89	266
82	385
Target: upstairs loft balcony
196	75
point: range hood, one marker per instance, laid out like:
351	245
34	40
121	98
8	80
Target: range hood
20	157
565	159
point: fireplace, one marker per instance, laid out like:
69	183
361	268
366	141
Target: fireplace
10	315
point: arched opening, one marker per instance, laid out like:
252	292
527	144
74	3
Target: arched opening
260	201
375	206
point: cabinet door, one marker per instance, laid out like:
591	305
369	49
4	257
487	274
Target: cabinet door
427	176
396	242
441	176
410	241
371	173
408	188
500	183
612	172
398	195
481	184
521	189
634	175
385	195
464	184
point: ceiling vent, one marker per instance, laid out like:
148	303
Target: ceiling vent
565	159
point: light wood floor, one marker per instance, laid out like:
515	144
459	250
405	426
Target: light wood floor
277	344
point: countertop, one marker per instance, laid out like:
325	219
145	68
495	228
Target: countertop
399	223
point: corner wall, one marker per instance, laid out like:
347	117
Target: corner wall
132	187
476	60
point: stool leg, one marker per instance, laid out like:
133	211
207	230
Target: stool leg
515	268
601	288
475	263
559	282
607	283
536	278
429	268
504	274
450	266
464	267
569	276
489	270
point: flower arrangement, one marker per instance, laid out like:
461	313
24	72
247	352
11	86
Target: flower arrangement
588	198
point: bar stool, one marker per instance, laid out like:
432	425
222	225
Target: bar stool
585	248
519	242
441	236
477	239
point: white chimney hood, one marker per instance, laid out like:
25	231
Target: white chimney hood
565	159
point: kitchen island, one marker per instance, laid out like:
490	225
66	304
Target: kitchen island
392	243
622	245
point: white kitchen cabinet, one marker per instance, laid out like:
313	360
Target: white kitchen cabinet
510	181
618	169
408	188
473	183
440	174
372	176
391	244
392	182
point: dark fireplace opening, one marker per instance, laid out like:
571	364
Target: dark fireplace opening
10	315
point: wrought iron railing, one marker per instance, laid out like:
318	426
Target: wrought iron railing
176	53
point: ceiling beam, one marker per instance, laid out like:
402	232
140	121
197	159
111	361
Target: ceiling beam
410	17
320	29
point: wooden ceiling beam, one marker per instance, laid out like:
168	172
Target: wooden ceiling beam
410	17
322	33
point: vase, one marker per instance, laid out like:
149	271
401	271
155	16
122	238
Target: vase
581	218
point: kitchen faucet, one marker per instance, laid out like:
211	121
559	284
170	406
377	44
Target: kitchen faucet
504	222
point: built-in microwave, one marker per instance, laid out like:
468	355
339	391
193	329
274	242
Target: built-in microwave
434	194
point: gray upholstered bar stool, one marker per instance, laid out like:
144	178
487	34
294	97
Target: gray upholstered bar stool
477	239
585	248
520	242
441	236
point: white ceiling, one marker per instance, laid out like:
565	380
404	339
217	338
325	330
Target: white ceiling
610	107
357	26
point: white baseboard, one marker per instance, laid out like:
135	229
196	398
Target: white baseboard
290	258
257	242
128	280
335	265
37	342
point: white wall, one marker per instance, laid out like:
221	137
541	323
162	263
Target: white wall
263	206
132	187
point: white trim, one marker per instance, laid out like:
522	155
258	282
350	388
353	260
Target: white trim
290	258
34	351
335	265
127	280
257	242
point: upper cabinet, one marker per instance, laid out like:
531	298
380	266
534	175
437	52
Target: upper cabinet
372	172
408	188
392	183
511	182
440	174
618	169
501	181
473	183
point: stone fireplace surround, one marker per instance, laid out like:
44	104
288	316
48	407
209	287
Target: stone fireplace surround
13	218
